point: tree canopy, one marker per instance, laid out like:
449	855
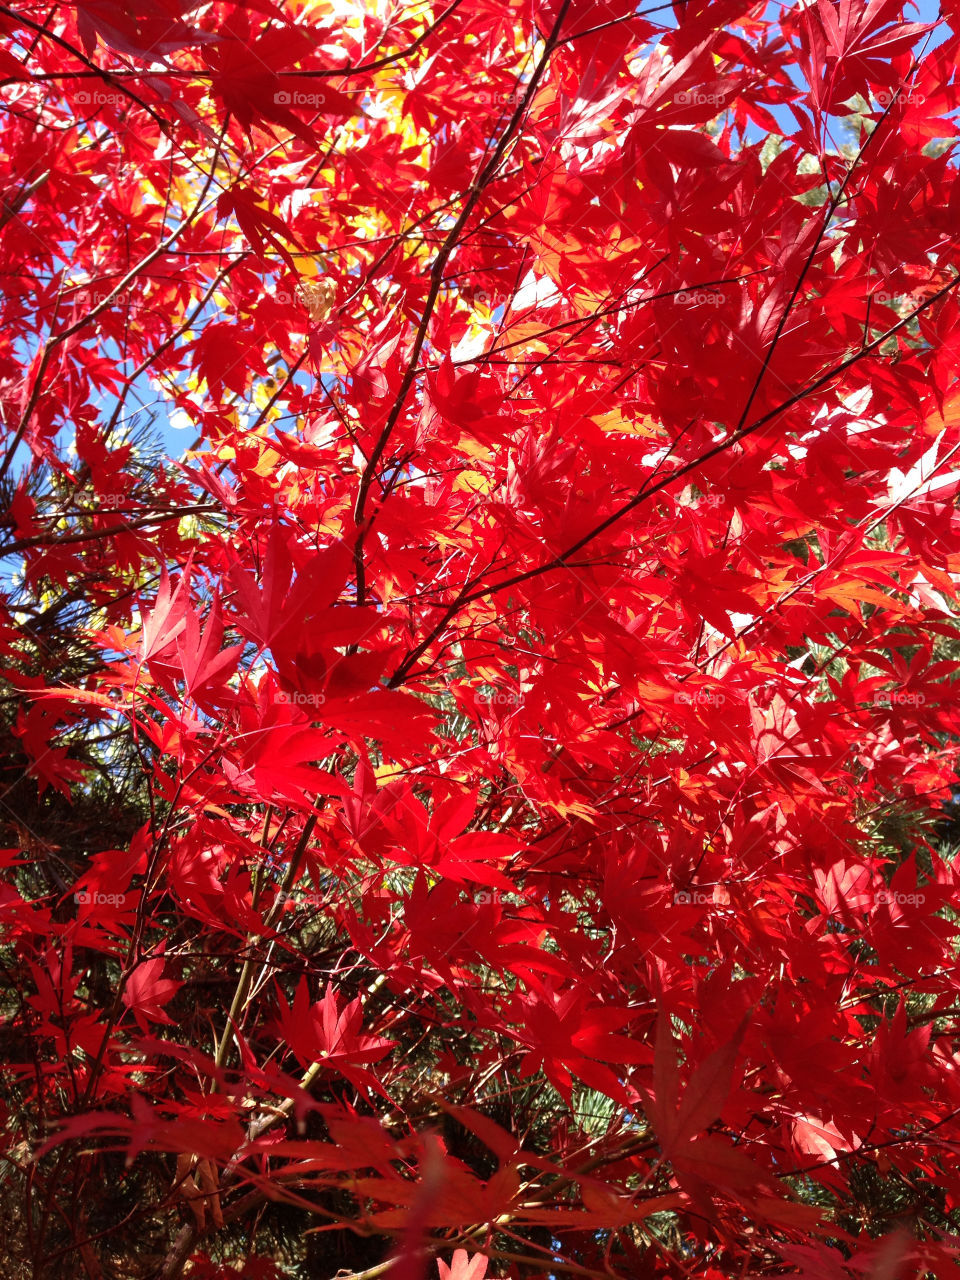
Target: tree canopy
478	630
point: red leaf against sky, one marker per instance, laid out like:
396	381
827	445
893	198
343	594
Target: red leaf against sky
478	638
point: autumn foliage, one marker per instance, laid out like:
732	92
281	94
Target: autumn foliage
477	640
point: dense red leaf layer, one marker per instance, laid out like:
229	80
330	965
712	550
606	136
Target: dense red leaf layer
530	681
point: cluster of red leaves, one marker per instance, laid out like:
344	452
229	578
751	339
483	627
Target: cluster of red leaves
560	590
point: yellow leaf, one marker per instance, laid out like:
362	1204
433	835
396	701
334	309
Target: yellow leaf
474	481
318	296
615	421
